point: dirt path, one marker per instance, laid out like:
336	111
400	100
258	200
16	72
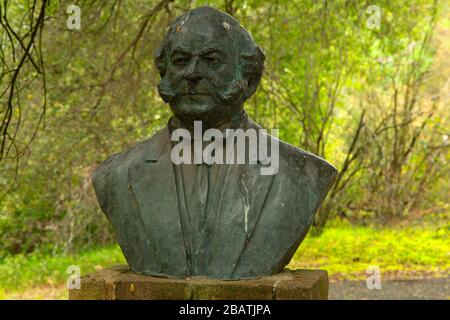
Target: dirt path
438	288
431	288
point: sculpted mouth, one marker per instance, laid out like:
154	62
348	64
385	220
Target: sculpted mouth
196	93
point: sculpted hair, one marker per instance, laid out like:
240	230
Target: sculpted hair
251	55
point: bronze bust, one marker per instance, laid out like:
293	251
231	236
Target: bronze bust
224	221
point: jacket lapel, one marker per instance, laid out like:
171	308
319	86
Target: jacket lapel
240	194
158	207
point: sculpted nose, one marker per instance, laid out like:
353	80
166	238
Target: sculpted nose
193	73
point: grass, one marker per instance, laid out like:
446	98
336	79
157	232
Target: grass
345	251
38	270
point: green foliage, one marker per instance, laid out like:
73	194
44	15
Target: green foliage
371	101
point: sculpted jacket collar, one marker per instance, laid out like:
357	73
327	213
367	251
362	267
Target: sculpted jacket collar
155	150
234	123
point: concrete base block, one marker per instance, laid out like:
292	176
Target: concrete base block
119	283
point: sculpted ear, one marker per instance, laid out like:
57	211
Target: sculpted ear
252	84
255	67
160	61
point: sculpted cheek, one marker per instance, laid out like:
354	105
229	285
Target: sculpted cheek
223	76
176	76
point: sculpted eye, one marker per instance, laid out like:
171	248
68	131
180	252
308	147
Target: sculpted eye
212	60
180	60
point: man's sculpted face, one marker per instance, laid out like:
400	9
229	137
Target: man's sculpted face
202	75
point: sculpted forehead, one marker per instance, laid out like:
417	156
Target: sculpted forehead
197	36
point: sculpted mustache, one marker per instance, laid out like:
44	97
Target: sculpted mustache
233	89
167	93
185	89
194	92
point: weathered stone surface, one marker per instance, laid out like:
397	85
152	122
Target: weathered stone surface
119	283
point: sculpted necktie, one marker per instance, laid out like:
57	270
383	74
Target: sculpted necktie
199	198
198	208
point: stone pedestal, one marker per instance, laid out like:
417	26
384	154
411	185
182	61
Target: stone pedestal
118	283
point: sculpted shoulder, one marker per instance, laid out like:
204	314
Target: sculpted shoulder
119	162
300	165
137	153
296	163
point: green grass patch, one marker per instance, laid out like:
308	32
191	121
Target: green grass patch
22	271
343	250
347	251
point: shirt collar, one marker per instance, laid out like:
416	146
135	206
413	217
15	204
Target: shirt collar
234	123
162	137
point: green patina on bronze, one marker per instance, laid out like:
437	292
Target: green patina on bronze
249	225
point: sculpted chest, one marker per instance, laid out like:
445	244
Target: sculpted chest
253	225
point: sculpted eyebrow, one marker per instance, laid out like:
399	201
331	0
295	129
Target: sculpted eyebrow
179	50
210	51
